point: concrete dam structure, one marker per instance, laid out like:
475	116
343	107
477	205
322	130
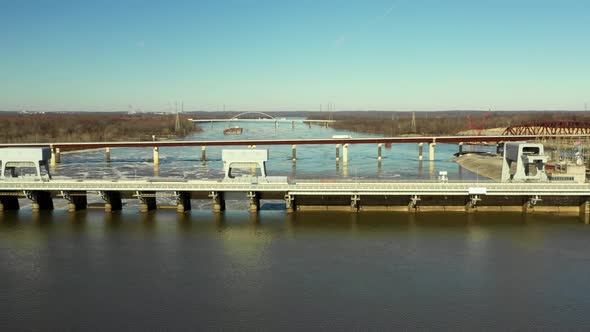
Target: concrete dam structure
358	196
534	196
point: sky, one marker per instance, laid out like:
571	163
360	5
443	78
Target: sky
273	55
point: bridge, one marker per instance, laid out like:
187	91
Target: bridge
341	144
311	141
265	118
550	128
554	197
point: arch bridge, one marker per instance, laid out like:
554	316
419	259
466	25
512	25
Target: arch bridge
268	116
265	118
550	128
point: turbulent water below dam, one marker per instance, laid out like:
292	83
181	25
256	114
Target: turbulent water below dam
162	270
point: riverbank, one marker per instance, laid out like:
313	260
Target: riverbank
92	127
486	165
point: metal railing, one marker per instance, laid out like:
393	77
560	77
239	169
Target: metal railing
367	188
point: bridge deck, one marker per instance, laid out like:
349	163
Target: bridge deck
372	140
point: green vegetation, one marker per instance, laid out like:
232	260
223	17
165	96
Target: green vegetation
88	127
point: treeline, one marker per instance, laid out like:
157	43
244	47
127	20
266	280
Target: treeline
88	127
439	123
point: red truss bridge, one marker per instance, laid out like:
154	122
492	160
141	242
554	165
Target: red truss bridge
550	128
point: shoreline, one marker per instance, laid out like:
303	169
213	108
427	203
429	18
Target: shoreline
486	165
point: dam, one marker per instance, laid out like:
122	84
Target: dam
352	196
525	187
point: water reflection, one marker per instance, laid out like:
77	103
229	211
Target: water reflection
164	264
42	218
431	169
420	169
254	220
113	220
149	220
268	217
78	220
219	219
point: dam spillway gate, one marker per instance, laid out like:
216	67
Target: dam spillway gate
551	197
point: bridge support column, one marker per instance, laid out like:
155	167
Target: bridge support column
53	162
218	201
345	153
203	153
55	156
183	201
156	155
112	201
294	152
585	211
77	200
420	151
108	154
499	148
41	200
337	153
460	148
431	147
379	152
147	201
9	203
254	200
290	203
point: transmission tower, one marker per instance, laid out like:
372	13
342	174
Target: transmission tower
177	123
413	122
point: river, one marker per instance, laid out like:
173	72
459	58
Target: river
277	271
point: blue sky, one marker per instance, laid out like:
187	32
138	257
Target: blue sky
294	55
